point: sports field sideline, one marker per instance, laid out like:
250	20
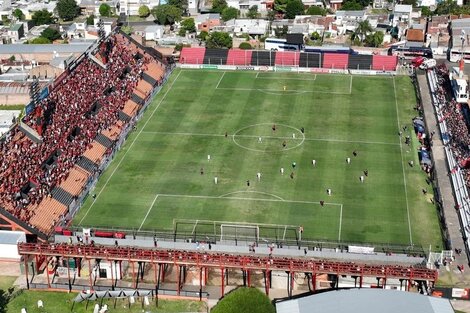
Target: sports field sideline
156	178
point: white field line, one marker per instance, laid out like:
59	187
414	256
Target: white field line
340	222
194	228
271	137
281	92
129	149
402	166
220	80
150	209
286	78
247	199
251	191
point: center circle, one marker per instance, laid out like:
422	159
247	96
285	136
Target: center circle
263	138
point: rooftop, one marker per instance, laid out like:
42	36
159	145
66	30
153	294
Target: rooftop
47	48
11	237
365	301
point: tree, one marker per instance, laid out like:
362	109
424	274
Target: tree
253	12
67	9
244	300
362	29
374	40
314	10
51	34
281	32
218	6
425	11
203	35
39	41
315	36
219	40
352	5
182	4
188	25
293	8
414	3
90	20
229	13
245	46
127	29
144	11
280	5
447	7
271	15
18	14
105	10
4	298
42	17
166	14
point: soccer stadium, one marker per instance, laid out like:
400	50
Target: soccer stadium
137	175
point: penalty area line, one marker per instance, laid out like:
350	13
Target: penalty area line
220	80
148	212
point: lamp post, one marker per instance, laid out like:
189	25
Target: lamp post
462	39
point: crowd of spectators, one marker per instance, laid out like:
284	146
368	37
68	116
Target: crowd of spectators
457	128
87	101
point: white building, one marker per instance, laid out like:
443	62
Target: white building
402	13
244	5
246	26
131	7
154	32
8	244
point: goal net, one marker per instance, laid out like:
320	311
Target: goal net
232	232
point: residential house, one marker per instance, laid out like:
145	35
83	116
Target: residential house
252	27
402	13
16	32
438	34
313	23
154	32
310	3
334	4
131	7
193	7
205	22
346	21
244	5
415	35
460	37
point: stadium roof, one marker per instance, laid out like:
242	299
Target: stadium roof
48	48
365	301
11	237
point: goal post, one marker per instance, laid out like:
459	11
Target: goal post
235	232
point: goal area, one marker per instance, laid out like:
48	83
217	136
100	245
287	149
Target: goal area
233	232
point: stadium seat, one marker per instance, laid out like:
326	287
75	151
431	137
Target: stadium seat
192	55
216	56
335	60
239	57
310	60
384	62
263	58
360	62
287	58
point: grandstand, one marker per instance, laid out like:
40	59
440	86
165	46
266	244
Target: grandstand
323	59
50	159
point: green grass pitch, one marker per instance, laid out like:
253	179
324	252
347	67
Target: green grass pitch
155	178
